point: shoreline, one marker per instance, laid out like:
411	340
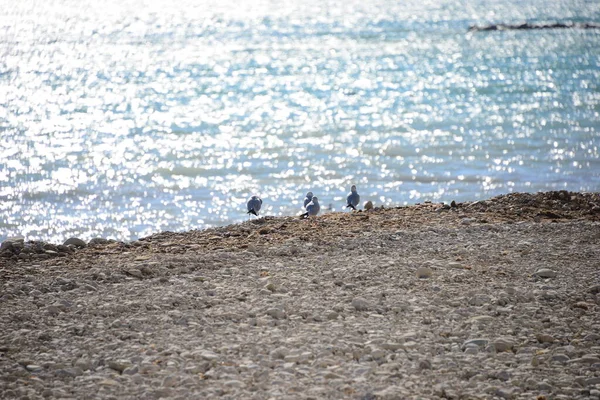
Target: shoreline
74	243
494	298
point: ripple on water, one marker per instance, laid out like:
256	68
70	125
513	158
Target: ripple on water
121	120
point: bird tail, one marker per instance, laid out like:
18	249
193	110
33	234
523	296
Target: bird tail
305	215
351	206
252	212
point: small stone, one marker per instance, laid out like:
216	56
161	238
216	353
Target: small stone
53	310
424	272
331	315
170	381
234	383
119	365
33	368
131	370
582	305
276	313
503	344
591	337
109	382
69	372
424	364
560	358
504	393
594	289
15	240
481	319
75	242
586	359
391	346
475	342
545	273
545	338
544	386
209	355
134	272
97	241
6	246
360	304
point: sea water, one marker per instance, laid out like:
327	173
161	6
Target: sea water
123	118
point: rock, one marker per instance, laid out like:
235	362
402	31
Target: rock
33	368
424	364
545	338
368	205
131	370
109	382
560	358
119	365
475	342
544	387
594	289
134	272
276	313
209	355
75	242
481	319
582	305
545	273
424	272
15	240
98	241
53	310
391	346
233	383
360	304
331	315
586	359
6	246
69	372
503	344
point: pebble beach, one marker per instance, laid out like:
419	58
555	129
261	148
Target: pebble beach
495	298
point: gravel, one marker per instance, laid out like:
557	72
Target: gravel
330	307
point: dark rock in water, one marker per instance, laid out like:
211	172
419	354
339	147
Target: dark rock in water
75	242
530	26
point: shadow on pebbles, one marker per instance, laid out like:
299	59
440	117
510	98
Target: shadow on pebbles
490	299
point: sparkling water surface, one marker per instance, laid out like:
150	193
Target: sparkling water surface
120	119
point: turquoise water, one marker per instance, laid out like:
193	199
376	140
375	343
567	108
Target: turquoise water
125	118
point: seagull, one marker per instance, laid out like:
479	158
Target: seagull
353	198
254	205
312	208
308	198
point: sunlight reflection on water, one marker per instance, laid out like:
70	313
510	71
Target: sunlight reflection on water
120	120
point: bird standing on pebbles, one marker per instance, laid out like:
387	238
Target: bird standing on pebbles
308	198
254	205
353	198
312	208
